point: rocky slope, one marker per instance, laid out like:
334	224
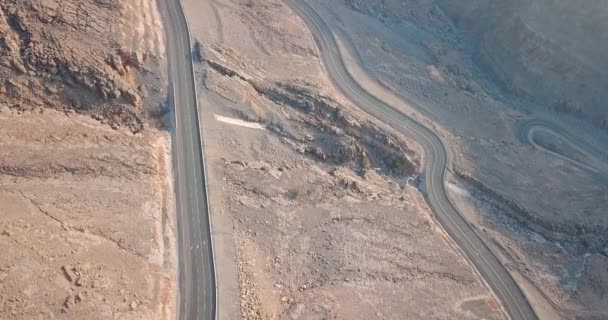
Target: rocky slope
542	215
87	57
552	51
323	210
336	137
312	199
86	198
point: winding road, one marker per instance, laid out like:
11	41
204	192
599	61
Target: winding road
197	289
526	132
437	158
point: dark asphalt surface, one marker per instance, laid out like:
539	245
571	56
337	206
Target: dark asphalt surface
436	158
197	295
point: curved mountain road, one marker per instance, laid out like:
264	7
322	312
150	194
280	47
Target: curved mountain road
526	130
197	289
437	158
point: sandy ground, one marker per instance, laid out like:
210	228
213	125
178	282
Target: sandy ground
86	200
315	216
87	220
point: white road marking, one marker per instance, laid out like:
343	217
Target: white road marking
239	122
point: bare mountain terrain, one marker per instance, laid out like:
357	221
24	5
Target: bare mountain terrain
315	209
551	51
481	71
88	57
86	198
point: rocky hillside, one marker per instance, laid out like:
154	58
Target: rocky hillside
86	198
332	135
83	56
554	52
550	52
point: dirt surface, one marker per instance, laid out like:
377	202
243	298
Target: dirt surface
542	215
314	205
86	198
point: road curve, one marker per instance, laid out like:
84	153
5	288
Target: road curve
436	161
197	290
525	132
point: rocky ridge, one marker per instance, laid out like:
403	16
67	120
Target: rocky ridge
51	56
334	136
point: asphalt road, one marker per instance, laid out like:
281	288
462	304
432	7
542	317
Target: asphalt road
526	130
436	162
197	295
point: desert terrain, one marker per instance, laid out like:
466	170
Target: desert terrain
86	200
541	212
544	216
318	210
315	207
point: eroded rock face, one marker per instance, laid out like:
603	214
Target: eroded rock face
340	138
335	136
81	55
48	54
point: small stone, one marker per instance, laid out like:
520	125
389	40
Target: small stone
18	66
69	273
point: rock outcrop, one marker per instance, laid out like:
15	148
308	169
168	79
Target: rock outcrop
65	46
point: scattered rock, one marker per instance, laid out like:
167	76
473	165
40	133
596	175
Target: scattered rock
68	271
